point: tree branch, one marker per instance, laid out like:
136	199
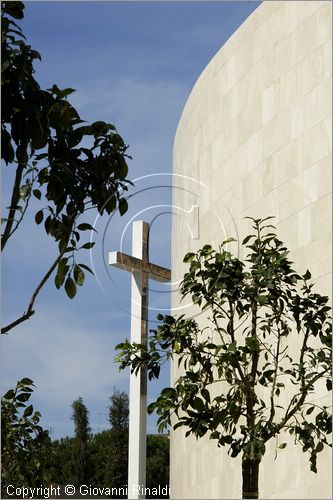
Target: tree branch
230	327
255	358
301	358
29	312
248	389
291	413
13	205
27	200
24	317
272	411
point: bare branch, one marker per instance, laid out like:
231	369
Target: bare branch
291	412
255	358
24	317
29	312
13	205
276	358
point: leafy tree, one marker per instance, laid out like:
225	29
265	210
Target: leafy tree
68	165
25	445
61	468
158	452
82	434
119	410
107	453
243	382
116	473
99	447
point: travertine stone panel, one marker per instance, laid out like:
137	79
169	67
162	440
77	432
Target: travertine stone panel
255	139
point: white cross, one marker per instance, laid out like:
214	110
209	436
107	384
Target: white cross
138	264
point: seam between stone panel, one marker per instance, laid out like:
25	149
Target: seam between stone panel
202	76
317	199
294	177
280	220
291	69
267	124
251	34
296	101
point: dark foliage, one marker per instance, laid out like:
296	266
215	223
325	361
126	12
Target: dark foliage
259	310
69	166
25	446
30	458
82	434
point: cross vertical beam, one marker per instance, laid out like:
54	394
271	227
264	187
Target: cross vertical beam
142	270
138	384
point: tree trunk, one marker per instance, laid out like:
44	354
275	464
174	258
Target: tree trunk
250	471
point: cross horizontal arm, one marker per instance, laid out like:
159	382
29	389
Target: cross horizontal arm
130	264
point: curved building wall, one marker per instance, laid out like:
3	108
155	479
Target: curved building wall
254	139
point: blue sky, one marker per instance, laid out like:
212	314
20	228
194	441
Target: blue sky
133	64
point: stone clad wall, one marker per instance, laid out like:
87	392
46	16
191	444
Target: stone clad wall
255	139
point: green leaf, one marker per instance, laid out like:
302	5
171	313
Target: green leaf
188	257
9	394
150	408
228	240
235	452
99	126
253	344
28	411
232	346
4	66
65	92
85	227
88	245
245	240
329	384
70	287
26	381
15	10
61	273
24	191
198	404
78	276
37	193
206	249
39	216
205	394
262	299
123	206
307	275
122	170
86	268
282	446
23	397
310	410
